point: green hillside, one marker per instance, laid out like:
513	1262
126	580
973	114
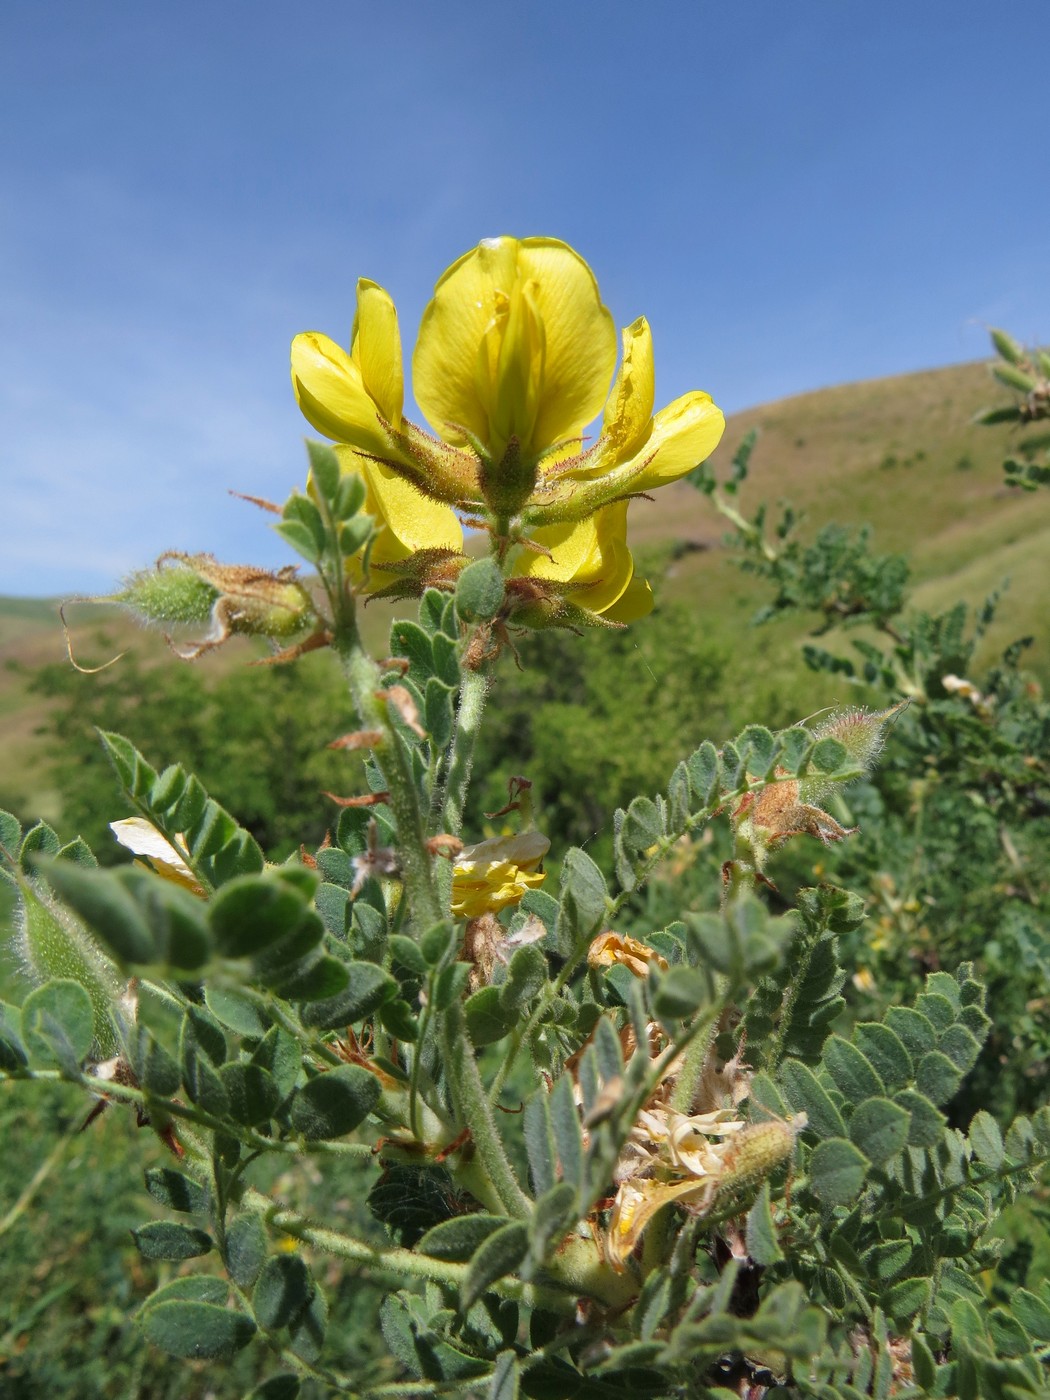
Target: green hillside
900	454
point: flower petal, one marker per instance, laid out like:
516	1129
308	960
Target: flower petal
592	554
332	395
636	601
629	410
458	369
376	347
406	520
684	434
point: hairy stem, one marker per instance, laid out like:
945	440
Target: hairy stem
362	676
474	1111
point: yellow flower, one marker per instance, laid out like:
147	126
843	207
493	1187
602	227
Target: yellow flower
406	521
637	451
514	359
491	875
161	856
515	344
591	559
356	397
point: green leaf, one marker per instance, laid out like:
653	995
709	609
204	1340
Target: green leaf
155	1069
197	1331
409	640
539	1143
851	1070
195	1288
368	987
254	1095
436	943
879	1128
236	1012
761	1234
565	1126
324	468
58	1023
176	1191
334	1103
280	1053
553	1216
912	1028
252	913
107	907
283	1290
246	1248
986	1140
526	977
506	1378
936	1077
40	840
175	917
79	852
408	953
438	712
837	1170
301	538
134	773
202	1081
459	1239
828	756
926	1123
960	1046
583	899
792	746
306	1332
757	747
702	767
499	1255
885	1261
906	1298
10	835
923	1362
885	1051
937	1009
202	1030
642	825
164	1239
446	662
12	1052
487	1019
313	979
678	992
806	1093
479	591
1032	1313
449	982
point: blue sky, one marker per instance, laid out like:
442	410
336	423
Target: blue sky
796	194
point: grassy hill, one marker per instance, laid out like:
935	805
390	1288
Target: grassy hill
900	454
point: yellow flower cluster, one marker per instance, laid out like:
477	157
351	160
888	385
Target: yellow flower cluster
514	359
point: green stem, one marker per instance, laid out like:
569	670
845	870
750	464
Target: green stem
474	1112
363	680
472	695
403	1263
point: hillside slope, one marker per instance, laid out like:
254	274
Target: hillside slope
900	454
